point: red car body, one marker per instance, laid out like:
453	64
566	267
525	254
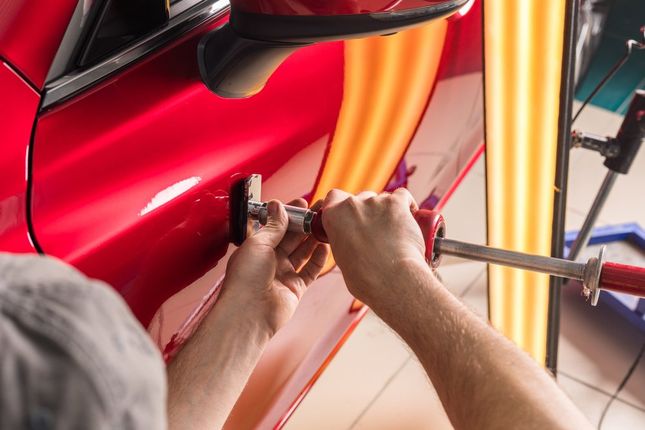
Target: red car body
126	175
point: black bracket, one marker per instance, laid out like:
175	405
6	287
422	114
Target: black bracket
619	151
605	145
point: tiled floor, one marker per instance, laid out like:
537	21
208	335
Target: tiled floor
376	383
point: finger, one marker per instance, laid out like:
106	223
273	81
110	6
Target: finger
299	202
276	227
335	196
404	195
292	239
302	253
316	263
364	195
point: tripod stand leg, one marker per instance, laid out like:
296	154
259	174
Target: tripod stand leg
592	216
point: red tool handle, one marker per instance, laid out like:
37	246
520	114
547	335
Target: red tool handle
432	226
317	229
623	279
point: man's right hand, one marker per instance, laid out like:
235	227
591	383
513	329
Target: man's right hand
375	241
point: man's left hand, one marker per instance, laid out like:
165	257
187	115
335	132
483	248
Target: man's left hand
272	269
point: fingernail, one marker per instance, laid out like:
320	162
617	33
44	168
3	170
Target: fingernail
316	206
272	209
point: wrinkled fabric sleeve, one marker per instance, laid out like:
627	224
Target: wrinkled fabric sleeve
72	356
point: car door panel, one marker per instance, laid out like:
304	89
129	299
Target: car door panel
136	164
18	110
130	178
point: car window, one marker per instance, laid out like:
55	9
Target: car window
120	22
99	29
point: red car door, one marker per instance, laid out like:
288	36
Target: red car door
132	159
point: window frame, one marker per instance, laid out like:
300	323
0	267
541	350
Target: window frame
185	15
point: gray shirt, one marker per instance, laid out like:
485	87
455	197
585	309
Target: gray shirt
72	356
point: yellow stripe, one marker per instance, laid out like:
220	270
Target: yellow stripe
523	56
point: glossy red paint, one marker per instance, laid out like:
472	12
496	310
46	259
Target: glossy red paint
30	33
116	196
342	7
18	112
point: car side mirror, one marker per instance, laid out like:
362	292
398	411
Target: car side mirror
237	59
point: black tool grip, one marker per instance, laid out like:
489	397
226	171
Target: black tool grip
630	135
317	229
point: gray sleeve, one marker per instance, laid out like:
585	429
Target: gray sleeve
72	356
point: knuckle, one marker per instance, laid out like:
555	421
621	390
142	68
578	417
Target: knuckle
389	200
333	195
352	204
402	192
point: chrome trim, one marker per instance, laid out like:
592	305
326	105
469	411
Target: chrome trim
182	6
66	86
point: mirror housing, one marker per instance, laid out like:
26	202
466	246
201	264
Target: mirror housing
237	59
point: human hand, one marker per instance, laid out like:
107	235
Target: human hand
374	238
271	270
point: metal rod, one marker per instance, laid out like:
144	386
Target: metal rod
592	216
561	177
537	263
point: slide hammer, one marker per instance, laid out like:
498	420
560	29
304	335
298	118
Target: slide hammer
596	274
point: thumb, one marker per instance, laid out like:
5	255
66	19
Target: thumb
275	228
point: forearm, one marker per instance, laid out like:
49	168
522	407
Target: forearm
482	379
208	374
265	278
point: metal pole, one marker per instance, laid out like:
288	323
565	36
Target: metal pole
561	178
537	263
592	216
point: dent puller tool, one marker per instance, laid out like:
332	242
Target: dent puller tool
595	274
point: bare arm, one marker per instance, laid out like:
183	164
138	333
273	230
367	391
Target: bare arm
208	374
483	380
264	282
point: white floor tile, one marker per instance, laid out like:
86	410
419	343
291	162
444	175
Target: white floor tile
589	400
476	298
597	346
626	202
621	416
586	173
479	168
460	276
371	355
408	402
465	212
634	391
592	403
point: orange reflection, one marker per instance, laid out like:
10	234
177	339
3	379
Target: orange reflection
387	84
388	81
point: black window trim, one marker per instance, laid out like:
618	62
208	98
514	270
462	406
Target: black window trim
181	22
